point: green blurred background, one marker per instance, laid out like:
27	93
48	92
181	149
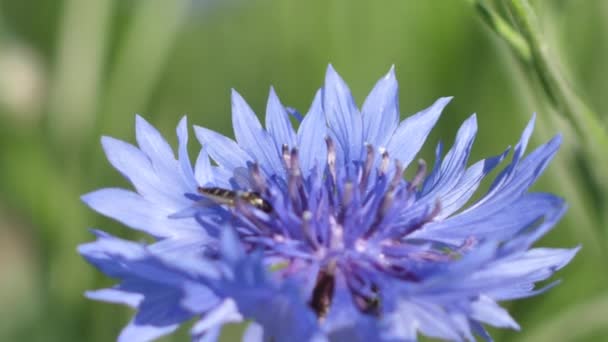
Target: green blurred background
73	70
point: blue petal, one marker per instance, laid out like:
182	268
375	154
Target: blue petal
311	137
342	115
211	335
381	111
481	331
517	178
519	291
144	333
146	282
278	124
160	153
269	306
536	264
136	167
224	313
184	158
487	311
151	142
130	161
443	180
138	213
252	137
458	196
222	177
520	148
520	175
294	113
202	171
199	298
230	245
499	223
161	304
411	316
514	276
101	253
224	151
187	245
253	333
114	295
344	321
120	258
412	132
488	270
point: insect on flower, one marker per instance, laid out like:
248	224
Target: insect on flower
326	238
230	197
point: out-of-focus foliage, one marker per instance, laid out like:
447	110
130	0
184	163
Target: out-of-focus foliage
72	70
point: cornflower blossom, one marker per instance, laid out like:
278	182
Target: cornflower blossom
314	233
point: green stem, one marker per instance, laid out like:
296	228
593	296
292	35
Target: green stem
591	137
590	130
505	30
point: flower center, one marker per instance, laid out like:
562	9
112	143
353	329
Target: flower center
351	220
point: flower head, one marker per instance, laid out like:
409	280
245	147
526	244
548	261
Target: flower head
315	233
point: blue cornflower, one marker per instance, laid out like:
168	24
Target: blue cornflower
315	234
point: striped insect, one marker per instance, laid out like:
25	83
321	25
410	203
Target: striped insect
229	197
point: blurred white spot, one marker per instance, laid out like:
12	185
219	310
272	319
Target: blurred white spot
22	83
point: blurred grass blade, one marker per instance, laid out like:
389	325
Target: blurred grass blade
591	140
141	59
592	133
504	29
574	324
79	64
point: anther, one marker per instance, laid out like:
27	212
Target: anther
286	156
331	157
295	162
398	176
385	206
323	292
347	195
307	229
387	203
367	167
384	163
436	210
257	179
420	173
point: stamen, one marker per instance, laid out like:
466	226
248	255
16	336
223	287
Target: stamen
245	211
368	304
331	157
306	229
336	241
286	156
257	179
428	218
347	195
295	163
398	176
367	168
420	173
323	293
384	163
435	212
294	183
387	204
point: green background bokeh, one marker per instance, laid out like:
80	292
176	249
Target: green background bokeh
73	70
